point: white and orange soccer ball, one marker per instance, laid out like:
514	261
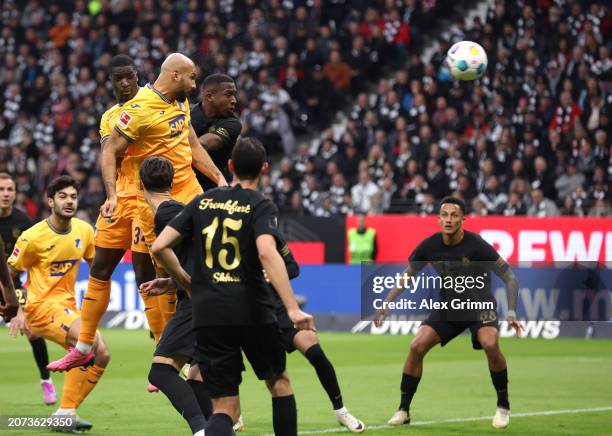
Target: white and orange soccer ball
466	60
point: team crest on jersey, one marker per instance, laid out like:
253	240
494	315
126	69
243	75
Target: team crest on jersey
124	119
77	243
176	125
222	132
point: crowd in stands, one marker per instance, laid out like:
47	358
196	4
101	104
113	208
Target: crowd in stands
531	137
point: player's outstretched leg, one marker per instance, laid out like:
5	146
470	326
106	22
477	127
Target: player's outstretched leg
164	374
79	382
424	340
284	410
308	343
489	340
41	356
94	305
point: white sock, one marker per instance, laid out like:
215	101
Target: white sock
83	348
48	380
61	411
199	433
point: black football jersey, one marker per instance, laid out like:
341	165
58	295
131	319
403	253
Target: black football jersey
228	129
11	227
227	284
165	213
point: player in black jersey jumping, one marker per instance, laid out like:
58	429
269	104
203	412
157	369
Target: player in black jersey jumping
214	121
232	229
12	223
456	246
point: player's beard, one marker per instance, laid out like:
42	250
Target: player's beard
64	215
181	95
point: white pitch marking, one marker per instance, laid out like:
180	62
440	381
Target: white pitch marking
468	419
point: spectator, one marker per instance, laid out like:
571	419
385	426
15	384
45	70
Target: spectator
541	206
363	192
570	180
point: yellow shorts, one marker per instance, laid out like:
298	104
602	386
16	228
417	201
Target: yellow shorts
124	233
145	218
52	320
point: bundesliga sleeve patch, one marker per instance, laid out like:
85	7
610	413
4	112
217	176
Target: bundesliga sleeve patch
273	222
15	253
124	119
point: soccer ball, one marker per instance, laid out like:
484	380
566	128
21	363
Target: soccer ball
466	60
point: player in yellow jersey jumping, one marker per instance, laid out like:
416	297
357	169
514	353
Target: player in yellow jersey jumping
156	122
51	252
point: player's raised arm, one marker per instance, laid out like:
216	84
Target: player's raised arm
163	253
202	160
114	148
276	272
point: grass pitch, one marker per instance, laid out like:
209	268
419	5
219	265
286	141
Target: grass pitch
545	376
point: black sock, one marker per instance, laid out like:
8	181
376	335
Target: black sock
327	375
202	396
500	382
182	397
219	424
284	416
408	388
39	348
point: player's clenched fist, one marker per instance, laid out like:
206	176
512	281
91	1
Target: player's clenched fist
379	316
108	208
302	320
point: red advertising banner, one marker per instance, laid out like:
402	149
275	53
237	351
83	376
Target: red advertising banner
525	240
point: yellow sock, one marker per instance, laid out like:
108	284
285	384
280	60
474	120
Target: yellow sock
167	306
153	314
92	375
73	380
94	305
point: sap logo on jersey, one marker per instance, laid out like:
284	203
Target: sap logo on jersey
176	125
61	267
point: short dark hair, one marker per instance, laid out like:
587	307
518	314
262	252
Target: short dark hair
60	183
248	156
120	61
215	80
156	174
453	200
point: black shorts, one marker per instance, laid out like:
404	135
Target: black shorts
287	330
178	337
449	330
219	352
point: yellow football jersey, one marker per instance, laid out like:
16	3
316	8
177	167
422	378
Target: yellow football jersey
107	123
157	126
52	260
